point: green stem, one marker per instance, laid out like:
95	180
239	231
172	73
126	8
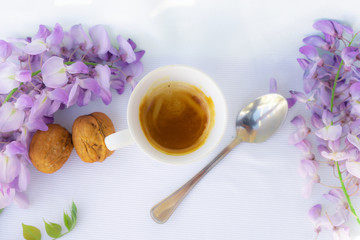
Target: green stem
346	193
63	234
35	73
334	87
86	63
11	93
352	209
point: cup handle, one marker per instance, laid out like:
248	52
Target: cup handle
119	139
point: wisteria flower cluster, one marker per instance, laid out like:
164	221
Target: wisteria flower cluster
50	71
332	96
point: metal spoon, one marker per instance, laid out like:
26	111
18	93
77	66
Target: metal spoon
255	123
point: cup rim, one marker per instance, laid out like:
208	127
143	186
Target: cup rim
164	160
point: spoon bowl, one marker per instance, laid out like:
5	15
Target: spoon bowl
260	119
255	123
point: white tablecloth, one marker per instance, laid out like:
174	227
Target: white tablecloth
255	193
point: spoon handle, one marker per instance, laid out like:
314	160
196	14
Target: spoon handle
162	211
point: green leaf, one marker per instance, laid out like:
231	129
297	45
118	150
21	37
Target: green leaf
74	212
1	210
31	232
68	222
52	229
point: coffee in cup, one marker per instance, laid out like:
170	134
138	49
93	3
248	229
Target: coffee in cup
176	117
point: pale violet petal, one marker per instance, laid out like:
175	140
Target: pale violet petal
33	125
67	42
329	132
73	95
100	39
339	217
80	97
299	135
41	104
118	85
334	146
8	77
334	195
354	140
355	127
355	91
80	37
54	72
11	118
5	50
87	98
308	168
132	82
77	67
125	50
24	177
310	52
327	117
35	47
299	121
326	26
90	84
353	168
315	214
336	156
355	108
59	94
25	136
316	41
103	76
56	37
316	121
134	69
15	148
9	168
106	96
23	76
304	146
42	33
54	107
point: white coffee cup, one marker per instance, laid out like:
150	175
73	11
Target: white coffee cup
179	73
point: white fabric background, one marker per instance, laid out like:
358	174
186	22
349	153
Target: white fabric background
255	193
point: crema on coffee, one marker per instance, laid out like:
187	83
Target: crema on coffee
176	117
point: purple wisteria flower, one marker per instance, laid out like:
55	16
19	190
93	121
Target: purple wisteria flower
50	71
332	95
5	50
